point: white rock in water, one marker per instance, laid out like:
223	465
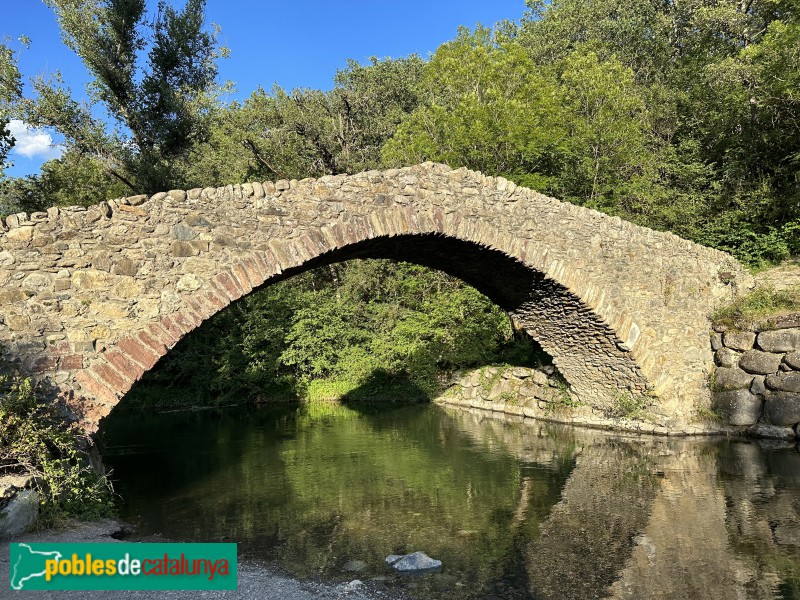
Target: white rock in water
414	563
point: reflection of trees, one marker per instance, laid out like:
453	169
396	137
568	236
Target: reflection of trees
325	488
563	513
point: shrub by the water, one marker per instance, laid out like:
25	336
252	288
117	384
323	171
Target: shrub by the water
36	440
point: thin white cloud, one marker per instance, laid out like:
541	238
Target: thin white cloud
33	143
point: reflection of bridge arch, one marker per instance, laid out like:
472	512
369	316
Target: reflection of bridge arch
93	298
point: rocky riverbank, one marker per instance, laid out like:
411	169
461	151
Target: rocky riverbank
540	394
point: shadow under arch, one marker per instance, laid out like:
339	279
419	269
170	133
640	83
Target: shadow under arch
585	349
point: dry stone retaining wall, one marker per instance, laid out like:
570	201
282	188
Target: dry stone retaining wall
91	298
757	380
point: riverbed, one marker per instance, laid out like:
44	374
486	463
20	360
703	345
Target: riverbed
514	510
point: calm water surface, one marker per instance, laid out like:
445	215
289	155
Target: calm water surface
513	510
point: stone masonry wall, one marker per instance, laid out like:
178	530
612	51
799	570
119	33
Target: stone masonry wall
91	298
539	395
757	380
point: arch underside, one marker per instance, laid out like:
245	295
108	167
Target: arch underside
584	349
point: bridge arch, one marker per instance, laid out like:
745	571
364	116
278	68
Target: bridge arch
93	298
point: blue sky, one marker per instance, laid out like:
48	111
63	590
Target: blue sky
294	44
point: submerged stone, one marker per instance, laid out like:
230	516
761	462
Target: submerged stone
415	563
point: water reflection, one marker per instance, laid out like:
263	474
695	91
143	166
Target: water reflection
514	510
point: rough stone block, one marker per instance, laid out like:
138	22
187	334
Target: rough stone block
196	220
177	195
779	340
771	432
782	408
739	340
739	407
72	362
136	200
784	382
125	266
184	249
19	514
757	386
792	360
760	363
725	357
183	232
716	341
200	245
728	379
787	534
45	363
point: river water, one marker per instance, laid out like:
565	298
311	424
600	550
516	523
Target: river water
513	510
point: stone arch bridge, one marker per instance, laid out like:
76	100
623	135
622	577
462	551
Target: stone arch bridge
91	298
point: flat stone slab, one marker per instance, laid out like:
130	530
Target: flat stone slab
771	432
413	564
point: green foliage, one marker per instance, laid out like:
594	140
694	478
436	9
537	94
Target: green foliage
628	405
717	132
35	440
309	133
71	180
10	91
158	111
710	416
486	107
363	330
757	306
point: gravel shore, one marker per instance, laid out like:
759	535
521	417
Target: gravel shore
255	580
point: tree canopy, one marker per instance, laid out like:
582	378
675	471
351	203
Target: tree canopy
156	109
